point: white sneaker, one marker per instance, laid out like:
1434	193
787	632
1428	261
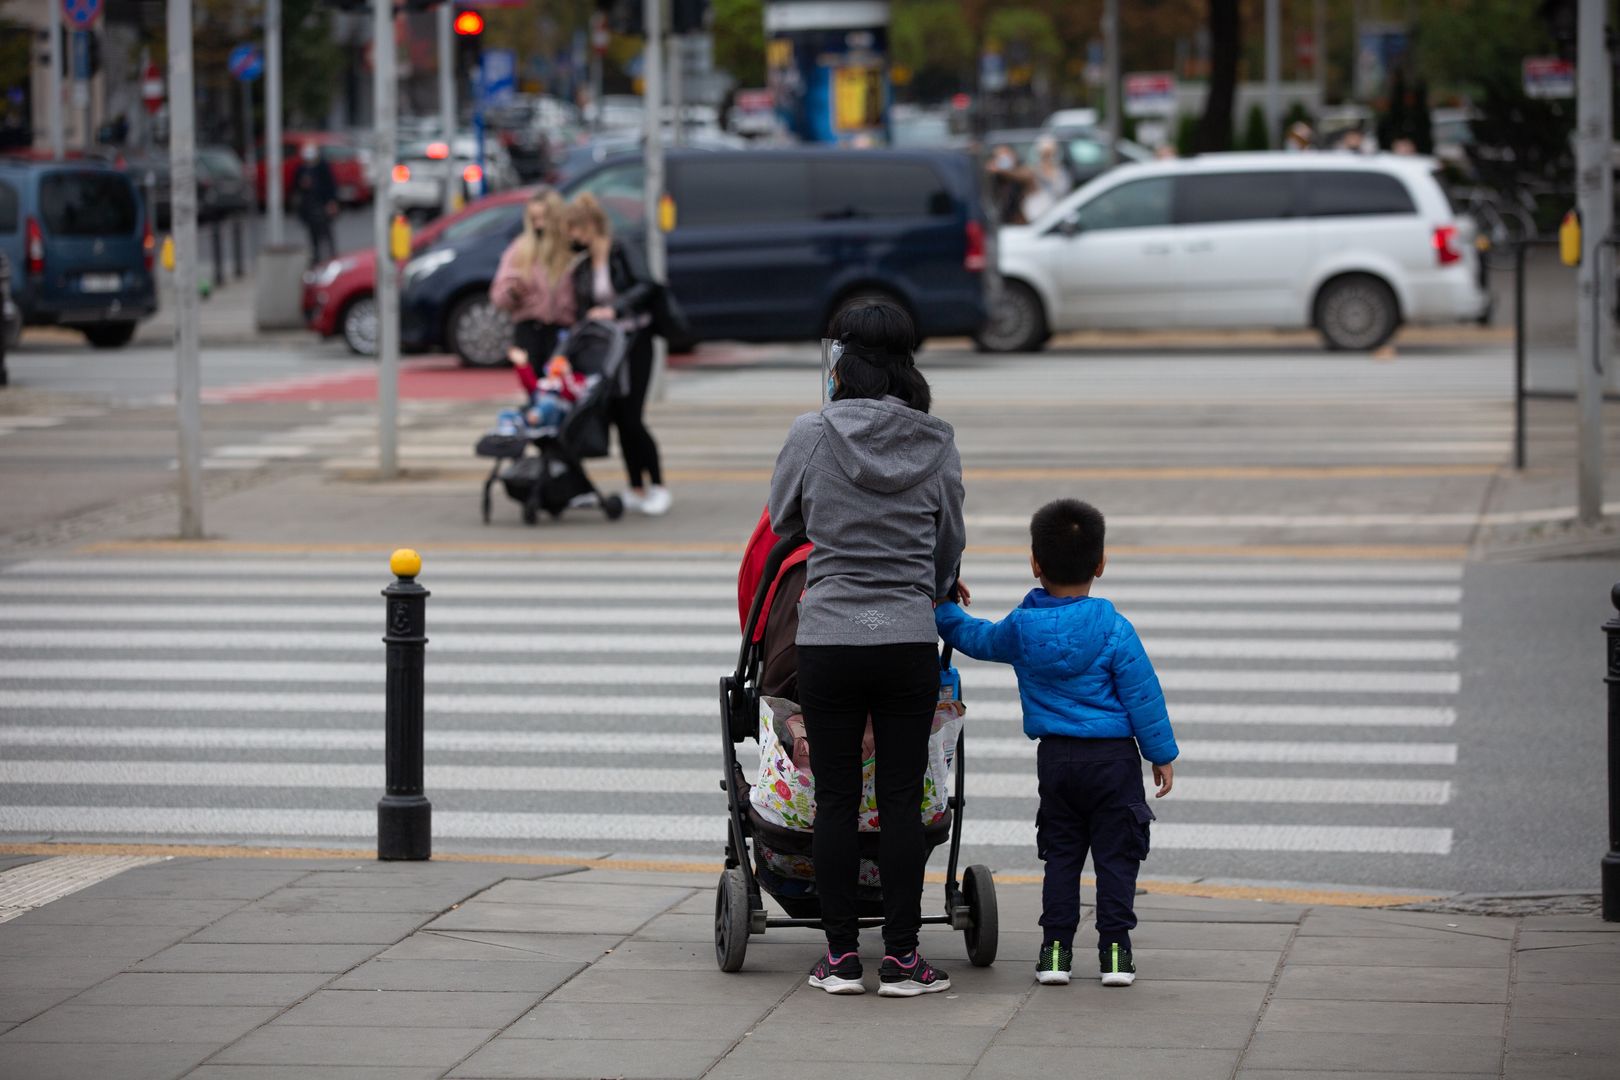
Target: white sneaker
657	501
631	500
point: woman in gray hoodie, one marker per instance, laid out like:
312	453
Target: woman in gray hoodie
875	483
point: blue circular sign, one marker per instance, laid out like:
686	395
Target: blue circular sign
81	13
246	63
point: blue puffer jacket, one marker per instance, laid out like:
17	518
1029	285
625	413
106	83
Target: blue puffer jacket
1081	669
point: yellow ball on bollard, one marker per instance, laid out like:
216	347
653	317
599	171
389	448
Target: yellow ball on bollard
405	563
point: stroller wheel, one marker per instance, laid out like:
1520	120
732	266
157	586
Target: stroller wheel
731	920
613	507
979	890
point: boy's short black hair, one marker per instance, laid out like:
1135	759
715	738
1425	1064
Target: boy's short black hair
1066	538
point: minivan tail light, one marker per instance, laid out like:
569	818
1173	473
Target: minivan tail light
148	244
1445	237
973	257
35	249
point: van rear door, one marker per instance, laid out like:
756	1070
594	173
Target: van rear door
94	262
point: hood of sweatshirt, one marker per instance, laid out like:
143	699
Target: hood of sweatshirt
884	445
1076	628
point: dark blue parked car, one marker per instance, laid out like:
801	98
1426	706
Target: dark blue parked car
767	246
80	247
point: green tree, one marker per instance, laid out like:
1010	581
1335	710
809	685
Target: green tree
1254	130
739	39
932	39
312	60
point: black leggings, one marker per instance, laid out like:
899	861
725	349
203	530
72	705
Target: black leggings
898	685
635	441
538	339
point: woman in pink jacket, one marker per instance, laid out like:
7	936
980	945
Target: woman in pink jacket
533	284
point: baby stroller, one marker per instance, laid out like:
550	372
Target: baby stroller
554	478
769	584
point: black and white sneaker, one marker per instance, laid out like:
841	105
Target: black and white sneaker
838	974
1055	963
1116	966
910	977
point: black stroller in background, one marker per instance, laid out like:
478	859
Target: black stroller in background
739	907
553	478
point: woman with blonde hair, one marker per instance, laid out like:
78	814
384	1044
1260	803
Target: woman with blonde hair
533	284
611	282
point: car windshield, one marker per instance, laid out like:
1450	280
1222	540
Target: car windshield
488	220
220	162
87	204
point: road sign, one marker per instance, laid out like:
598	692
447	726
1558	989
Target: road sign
152	88
498	75
245	62
81	14
81	55
1548	77
601	36
1150	93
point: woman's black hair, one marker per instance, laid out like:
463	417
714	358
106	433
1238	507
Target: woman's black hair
878	338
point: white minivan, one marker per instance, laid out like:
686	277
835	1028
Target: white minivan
1352	246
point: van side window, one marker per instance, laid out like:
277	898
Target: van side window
8	208
87	204
739	191
876	189
618	189
1347	192
1208	198
1140	204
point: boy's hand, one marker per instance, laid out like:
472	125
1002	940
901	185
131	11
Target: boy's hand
964	597
1165	777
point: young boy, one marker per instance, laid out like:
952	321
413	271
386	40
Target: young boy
1090	696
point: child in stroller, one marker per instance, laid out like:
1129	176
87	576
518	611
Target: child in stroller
565	421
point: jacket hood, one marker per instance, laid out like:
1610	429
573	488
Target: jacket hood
1080	624
883	445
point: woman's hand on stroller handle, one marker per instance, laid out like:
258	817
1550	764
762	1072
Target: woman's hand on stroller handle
601	311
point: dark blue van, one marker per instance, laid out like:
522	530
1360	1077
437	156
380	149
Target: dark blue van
80	247
767	246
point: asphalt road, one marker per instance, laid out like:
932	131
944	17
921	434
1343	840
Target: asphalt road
1359	701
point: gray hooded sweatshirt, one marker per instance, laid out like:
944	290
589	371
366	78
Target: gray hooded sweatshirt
877	488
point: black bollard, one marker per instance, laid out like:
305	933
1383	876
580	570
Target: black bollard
404	815
219	256
239	257
1611	861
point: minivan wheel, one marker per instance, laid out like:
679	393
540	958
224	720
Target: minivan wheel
479	332
1356	313
1016	323
114	335
359	326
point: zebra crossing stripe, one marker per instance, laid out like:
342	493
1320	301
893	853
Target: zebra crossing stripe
660	781
652	828
663	743
448	612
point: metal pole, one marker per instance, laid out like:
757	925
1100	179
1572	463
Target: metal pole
596	89
385	88
677	92
250	158
1273	70
272	121
1594	186
53	81
81	86
1518	357
653	188
447	93
183	222
218	240
1319	63
1116	107
1610	872
238	256
404	815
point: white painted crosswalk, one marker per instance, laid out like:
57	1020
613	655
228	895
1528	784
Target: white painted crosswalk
571	704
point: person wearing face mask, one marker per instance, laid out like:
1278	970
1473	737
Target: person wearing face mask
533	284
315	193
1007	184
611	282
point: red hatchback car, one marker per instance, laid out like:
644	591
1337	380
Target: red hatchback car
347	164
339	297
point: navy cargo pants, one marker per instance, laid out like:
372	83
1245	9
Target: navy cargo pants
1091	800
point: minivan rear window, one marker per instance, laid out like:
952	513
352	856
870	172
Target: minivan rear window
87	204
1340	193
8	208
857	188
737	191
1207	198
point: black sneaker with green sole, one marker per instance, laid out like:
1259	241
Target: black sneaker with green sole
1054	964
1117	968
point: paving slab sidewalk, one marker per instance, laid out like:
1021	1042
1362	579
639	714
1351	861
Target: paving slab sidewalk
260	968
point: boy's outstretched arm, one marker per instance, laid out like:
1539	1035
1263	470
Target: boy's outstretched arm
978	638
1143	698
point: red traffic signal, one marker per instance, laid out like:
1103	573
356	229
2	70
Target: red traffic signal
469	24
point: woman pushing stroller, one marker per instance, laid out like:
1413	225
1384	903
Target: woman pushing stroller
875	484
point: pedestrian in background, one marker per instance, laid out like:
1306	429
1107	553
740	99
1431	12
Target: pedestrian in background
315	190
1008	182
875	484
612	282
533	284
1049	180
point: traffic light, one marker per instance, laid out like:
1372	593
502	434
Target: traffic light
688	16
468	24
623	16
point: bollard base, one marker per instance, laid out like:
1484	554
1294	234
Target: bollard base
1611	887
404	827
